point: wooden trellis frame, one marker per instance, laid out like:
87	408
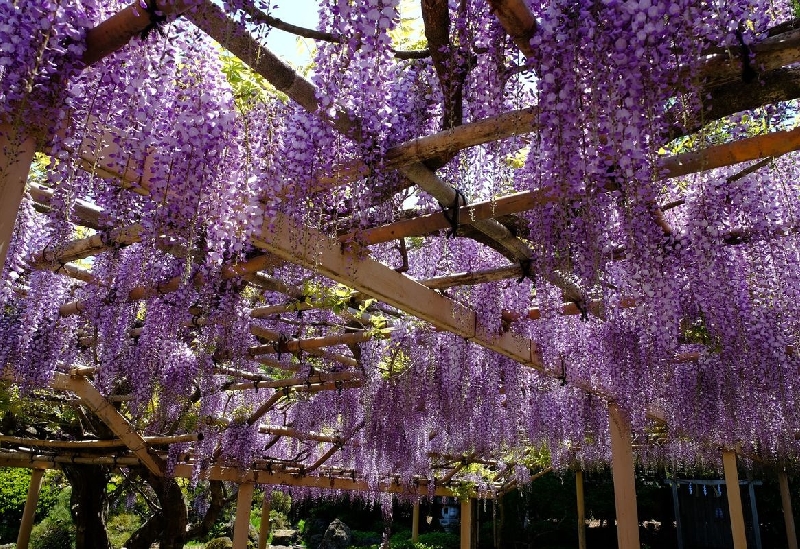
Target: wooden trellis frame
287	240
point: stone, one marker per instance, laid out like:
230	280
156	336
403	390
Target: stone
337	536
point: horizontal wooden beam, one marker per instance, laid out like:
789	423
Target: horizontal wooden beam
307	381
84	444
311	249
718	156
295	345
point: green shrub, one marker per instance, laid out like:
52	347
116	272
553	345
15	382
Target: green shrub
120	527
220	543
14	484
56	531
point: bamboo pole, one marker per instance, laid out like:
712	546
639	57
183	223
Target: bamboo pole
788	516
622	469
466	523
263	532
241	526
581	509
294	433
734	500
30	509
415	522
81	444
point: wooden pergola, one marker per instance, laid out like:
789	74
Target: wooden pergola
285	239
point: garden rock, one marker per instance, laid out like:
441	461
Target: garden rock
337	536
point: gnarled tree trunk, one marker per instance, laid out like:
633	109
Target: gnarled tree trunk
89	505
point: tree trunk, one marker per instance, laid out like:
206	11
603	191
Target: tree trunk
168	525
201	530
89	505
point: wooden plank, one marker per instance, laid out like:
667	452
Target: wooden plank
581	509
97	403
241	525
734	500
466	524
624	475
24	536
264	529
307	247
786	503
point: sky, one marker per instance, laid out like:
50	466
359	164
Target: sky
296	51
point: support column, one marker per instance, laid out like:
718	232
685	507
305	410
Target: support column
676	508
788	517
263	534
581	509
30	509
241	527
466	523
415	523
16	156
734	500
624	474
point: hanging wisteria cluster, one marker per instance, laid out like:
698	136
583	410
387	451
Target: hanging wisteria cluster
688	285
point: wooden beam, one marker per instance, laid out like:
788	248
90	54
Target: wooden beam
734	500
517	19
85	444
24	536
581	509
466	524
295	345
296	381
263	532
788	516
119	29
241	525
120	426
16	155
624	475
307	247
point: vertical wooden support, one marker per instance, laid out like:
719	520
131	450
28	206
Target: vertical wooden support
16	156
466	523
415	523
30	509
624	475
734	500
241	527
788	517
581	509
676	507
263	533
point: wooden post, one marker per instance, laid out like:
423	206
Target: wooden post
581	509
30	509
788	517
734	500
466	523
263	534
16	156
415	523
622	470
241	527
